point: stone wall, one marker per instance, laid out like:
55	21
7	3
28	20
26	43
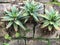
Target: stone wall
26	41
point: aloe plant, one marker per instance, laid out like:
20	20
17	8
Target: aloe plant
51	20
14	18
31	9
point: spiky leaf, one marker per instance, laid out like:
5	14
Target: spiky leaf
9	25
20	24
15	27
35	17
17	34
56	26
45	24
50	28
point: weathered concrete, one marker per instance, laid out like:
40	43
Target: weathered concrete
4	6
17	42
36	42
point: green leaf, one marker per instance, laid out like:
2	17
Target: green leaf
7	19
47	12
25	14
50	28
17	34
7	37
20	24
51	23
25	20
45	24
8	13
20	13
9	25
57	17
16	27
56	26
35	17
44	16
28	30
27	1
52	11
5	44
49	43
14	9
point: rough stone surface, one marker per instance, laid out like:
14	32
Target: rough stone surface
4	6
58	0
54	42
2	32
20	0
1	13
5	0
2	25
27	33
57	8
43	0
41	11
17	42
2	40
1	43
48	6
36	42
37	31
30	33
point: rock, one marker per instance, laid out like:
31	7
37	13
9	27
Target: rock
17	42
2	32
39	33
56	7
54	42
48	6
1	43
5	0
58	0
30	27
41	11
2	24
43	0
36	42
4	6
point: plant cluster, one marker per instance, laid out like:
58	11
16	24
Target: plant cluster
18	18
